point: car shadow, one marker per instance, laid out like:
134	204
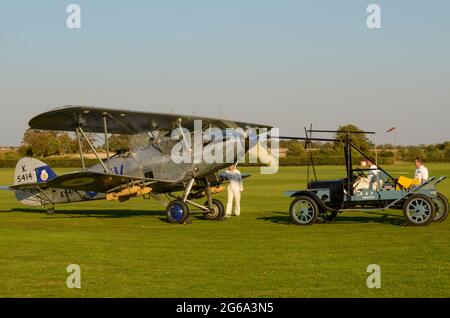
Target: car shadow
343	218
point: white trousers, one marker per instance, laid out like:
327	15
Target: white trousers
233	194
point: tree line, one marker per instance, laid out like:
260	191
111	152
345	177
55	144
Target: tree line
44	144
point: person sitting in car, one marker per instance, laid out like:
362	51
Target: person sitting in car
372	181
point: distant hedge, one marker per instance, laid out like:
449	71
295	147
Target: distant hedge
54	162
328	160
288	161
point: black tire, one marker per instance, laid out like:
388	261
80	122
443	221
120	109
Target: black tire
177	212
419	210
441	204
218	212
304	210
327	216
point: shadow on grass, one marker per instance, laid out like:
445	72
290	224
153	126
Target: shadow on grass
343	218
123	213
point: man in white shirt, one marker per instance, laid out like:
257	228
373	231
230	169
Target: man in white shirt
421	173
234	191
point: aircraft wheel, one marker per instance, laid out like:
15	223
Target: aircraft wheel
217	211
419	210
441	204
177	212
304	210
51	211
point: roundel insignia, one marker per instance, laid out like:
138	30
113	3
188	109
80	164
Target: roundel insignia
44	175
78	182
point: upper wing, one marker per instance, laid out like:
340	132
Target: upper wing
123	121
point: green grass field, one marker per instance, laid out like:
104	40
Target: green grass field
129	250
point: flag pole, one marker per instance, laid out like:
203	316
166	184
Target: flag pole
395	138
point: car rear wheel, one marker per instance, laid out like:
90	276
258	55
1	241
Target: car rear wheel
419	210
441	204
304	210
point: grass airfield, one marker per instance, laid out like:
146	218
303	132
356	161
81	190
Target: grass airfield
129	250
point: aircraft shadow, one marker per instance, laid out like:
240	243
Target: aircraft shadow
343	218
83	213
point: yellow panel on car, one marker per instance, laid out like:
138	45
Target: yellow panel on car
407	182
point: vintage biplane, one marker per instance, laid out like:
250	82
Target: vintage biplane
145	170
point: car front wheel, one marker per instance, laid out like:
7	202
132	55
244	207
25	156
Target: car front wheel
304	210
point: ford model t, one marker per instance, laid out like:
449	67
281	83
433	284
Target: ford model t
324	199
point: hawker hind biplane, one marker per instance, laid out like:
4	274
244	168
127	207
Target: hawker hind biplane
146	171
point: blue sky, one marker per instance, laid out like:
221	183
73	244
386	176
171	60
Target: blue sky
284	63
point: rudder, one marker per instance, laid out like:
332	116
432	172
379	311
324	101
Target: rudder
30	170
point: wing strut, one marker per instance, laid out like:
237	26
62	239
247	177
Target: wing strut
93	149
80	148
183	135
105	126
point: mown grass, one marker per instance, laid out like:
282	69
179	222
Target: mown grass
129	250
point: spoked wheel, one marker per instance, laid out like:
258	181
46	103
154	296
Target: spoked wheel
304	210
441	204
177	212
217	211
419	210
327	216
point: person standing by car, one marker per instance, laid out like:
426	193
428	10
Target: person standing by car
235	188
421	173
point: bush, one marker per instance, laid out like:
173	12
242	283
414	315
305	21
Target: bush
60	162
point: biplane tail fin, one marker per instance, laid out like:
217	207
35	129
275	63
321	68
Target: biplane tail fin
30	170
29	175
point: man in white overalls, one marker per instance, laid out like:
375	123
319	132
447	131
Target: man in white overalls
235	188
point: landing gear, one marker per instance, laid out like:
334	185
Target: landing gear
51	210
177	212
216	212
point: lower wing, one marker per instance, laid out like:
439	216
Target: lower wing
93	181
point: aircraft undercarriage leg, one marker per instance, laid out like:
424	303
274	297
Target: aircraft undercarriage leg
188	189
178	211
50	210
216	208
